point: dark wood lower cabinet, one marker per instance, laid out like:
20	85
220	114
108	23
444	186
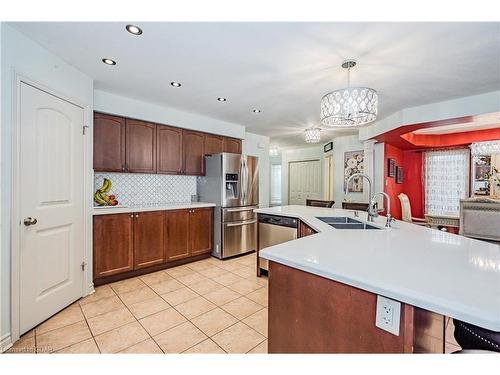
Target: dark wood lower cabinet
200	231
149	238
311	314
129	244
305	230
113	244
177	235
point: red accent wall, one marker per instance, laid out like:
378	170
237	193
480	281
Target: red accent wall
413	181
390	186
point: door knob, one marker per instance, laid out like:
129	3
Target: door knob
30	221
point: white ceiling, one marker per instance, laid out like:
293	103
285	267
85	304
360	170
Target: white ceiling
281	68
482	122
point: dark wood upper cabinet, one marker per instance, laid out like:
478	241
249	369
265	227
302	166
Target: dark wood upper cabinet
149	238
168	149
200	220
109	143
214	144
140	146
194	151
113	244
177	235
232	145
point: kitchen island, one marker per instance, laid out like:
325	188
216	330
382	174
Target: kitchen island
323	288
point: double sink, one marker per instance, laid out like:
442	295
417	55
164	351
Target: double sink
343	222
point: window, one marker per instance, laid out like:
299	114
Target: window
446	180
275	184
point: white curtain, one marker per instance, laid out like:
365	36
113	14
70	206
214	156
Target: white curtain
275	184
446	180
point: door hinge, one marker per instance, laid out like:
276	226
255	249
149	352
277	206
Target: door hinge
85	129
83	265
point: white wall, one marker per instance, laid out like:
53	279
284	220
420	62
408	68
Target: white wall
465	106
340	146
22	56
128	107
299	154
258	145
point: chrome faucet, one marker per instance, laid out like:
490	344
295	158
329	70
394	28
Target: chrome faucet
373	203
372	212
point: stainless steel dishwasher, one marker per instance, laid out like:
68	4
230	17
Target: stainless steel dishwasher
274	230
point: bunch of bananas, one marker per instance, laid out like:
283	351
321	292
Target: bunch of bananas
103	199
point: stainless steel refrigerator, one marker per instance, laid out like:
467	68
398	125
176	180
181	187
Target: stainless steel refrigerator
231	181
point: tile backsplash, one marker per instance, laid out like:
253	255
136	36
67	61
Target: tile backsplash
135	189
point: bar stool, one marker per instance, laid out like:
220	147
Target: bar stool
474	339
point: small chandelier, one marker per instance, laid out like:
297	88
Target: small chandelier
351	106
313	135
273	151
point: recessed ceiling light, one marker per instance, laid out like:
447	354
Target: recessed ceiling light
222	99
175	84
256	111
108	61
132	29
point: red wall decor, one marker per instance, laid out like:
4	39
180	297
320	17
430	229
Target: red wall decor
390	186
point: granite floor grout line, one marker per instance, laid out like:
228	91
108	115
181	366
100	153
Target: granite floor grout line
91	333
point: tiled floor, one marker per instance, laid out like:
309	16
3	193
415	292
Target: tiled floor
209	306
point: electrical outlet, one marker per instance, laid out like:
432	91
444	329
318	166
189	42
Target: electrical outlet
388	315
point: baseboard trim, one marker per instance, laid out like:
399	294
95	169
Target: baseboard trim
5	342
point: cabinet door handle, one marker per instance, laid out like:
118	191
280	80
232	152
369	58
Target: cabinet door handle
132	215
136	216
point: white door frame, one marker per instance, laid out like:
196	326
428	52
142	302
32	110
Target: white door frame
87	286
298	161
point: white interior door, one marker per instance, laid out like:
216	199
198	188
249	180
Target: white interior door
51	186
304	181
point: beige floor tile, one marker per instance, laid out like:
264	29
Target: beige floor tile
262	281
179	271
231	266
244	286
205	347
180	338
214	261
155	277
200	265
166	286
195	307
69	315
222	296
450	348
246	272
62	337
85	347
102	306
228	279
121	338
258	321
213	272
248	260
179	296
103	291
259	296
148	307
26	344
260	349
214	321
239	338
241	307
192	278
144	347
162	321
205	286
110	320
127	285
138	295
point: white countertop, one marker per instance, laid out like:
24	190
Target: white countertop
437	271
123	210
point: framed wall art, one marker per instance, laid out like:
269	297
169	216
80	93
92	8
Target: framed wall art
391	168
353	163
399	175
